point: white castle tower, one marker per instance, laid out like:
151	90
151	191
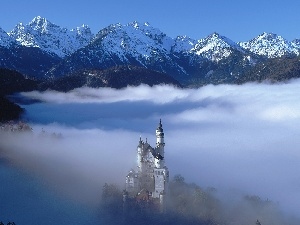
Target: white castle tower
150	181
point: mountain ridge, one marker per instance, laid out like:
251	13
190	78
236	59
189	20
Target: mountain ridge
114	77
51	38
26	35
44	50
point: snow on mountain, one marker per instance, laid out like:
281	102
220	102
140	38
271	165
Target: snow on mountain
296	43
183	44
271	45
51	38
215	47
134	40
135	43
5	39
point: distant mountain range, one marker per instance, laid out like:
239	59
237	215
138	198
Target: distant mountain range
45	51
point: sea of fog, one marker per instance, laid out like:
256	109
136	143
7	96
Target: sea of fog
241	140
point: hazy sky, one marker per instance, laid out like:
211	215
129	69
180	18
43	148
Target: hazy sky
238	20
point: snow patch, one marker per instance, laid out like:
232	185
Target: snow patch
271	45
51	38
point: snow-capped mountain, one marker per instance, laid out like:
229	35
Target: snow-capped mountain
271	45
142	45
29	60
5	40
132	44
134	40
215	47
51	38
43	49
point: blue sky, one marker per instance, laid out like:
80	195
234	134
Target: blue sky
237	19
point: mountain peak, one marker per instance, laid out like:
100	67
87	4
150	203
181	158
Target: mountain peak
41	24
51	38
270	45
218	37
82	29
214	35
268	36
38	20
135	24
215	47
135	36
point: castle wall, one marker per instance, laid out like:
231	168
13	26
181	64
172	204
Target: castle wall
161	180
132	183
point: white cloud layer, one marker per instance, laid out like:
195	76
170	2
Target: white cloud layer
235	138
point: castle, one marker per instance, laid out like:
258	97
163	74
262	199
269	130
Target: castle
148	184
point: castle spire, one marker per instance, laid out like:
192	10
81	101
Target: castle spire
160	134
160	130
140	142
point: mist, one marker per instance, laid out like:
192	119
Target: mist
240	139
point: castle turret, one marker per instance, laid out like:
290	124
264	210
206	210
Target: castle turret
160	135
160	144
